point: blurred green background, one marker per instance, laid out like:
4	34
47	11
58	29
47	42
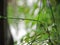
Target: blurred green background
41	20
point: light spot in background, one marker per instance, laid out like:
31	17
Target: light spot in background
40	4
44	44
25	43
34	27
36	11
13	32
30	12
30	2
21	31
20	3
32	34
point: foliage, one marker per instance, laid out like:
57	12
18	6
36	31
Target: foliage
46	30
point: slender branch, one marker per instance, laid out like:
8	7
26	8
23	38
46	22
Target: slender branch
19	18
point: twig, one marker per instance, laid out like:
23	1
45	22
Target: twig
19	19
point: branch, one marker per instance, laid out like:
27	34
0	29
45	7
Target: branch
19	18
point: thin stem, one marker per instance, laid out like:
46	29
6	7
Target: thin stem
19	18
